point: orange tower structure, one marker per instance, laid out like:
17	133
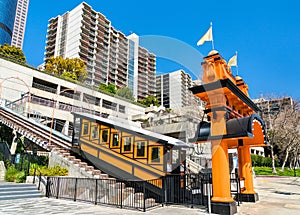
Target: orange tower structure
232	123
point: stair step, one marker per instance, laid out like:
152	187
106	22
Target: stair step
6	189
9	192
10	197
16	185
76	161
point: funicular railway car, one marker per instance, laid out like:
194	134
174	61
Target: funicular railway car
126	151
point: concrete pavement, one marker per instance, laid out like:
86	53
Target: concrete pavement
278	195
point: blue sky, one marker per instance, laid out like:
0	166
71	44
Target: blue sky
266	35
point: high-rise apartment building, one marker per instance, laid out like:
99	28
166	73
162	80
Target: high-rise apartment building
7	15
110	56
172	89
20	23
142	69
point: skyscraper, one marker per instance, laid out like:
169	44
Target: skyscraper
141	70
7	15
20	23
172	89
110	56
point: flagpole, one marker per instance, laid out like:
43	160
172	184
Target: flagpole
237	68
212	38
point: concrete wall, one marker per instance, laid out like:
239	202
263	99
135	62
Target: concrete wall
12	89
2	171
56	159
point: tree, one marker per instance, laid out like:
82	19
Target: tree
125	92
73	68
289	140
110	88
283	129
12	52
149	100
6	134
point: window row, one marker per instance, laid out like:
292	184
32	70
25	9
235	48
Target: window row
128	143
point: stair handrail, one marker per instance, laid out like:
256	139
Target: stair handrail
41	179
192	166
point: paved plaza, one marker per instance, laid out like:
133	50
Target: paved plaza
278	195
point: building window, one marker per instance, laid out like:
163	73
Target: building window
141	146
155	155
114	140
121	109
127	144
175	156
94	132
85	129
104	136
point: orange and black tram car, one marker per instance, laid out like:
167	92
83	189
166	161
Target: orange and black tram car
125	151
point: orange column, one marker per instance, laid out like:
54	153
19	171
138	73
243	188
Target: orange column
220	172
220	163
245	169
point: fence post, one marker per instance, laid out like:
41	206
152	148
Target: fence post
144	196
238	188
165	190
34	175
190	179
28	167
96	191
40	178
208	198
121	194
75	190
48	187
57	187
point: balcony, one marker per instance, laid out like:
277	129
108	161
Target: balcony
44	88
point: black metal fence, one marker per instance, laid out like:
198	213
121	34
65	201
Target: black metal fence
235	186
189	189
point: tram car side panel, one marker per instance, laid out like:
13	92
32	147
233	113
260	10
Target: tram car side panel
121	151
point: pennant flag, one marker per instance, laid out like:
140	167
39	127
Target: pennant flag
206	37
233	61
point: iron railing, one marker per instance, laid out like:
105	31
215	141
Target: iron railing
38	176
188	189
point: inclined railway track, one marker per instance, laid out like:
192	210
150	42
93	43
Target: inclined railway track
34	131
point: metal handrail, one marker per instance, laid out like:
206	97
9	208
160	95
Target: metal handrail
41	178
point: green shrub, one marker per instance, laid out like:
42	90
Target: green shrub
258	160
11	174
52	171
20	177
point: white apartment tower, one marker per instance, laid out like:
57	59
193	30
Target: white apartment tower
172	89
20	23
110	56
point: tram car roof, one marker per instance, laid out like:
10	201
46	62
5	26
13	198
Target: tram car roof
127	125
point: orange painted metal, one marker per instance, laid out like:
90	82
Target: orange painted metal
224	105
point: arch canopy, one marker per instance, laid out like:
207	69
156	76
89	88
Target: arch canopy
250	129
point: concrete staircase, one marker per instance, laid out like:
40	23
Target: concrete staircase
108	194
192	166
9	190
